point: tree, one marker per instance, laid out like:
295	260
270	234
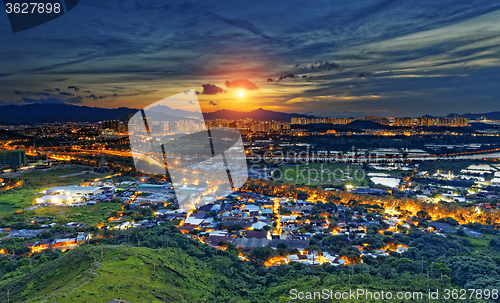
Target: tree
423	215
284	211
262	253
282	245
234	227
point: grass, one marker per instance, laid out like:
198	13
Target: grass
479	242
16	199
90	214
323	174
134	274
64	175
36	181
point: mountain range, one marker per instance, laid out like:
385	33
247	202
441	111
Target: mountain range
49	113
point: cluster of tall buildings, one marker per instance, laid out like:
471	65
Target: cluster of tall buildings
266	126
187	125
180	126
405	122
427	121
111	126
252	126
304	121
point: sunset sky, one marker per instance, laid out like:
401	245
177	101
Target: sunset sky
353	58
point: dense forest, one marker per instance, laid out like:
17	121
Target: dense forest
431	262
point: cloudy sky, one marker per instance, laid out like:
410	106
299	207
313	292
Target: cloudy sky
383	58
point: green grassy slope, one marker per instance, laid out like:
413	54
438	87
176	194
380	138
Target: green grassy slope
134	274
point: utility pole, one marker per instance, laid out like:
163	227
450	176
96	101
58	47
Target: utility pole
432	270
422	266
313	263
102	253
427	281
349	275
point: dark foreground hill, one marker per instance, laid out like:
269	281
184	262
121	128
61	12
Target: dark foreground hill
133	274
7	135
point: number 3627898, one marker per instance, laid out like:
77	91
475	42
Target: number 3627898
33	8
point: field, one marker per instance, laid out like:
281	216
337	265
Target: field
322	174
19	198
91	214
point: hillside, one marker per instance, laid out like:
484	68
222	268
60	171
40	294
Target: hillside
133	274
48	113
7	135
174	268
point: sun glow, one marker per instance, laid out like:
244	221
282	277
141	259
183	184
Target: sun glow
241	93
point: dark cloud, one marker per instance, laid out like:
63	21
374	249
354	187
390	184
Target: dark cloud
286	76
319	65
29	93
363	75
66	94
270	80
241	83
60	80
211	89
92	97
325	65
214	103
74	87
